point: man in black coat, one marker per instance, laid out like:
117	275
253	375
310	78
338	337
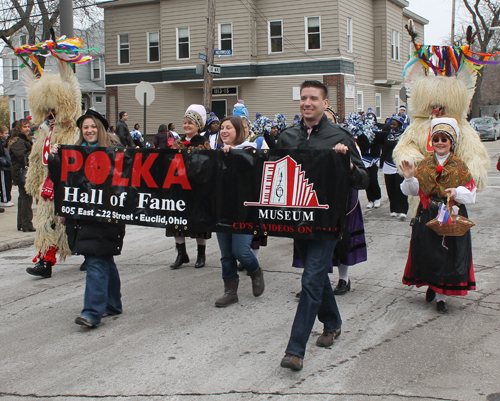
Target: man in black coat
315	131
122	131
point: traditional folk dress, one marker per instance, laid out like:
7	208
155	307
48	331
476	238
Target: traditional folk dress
443	263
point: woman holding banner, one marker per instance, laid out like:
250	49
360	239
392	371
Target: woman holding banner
193	124
97	242
236	247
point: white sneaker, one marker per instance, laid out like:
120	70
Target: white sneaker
376	203
369	205
6	204
394	214
402	216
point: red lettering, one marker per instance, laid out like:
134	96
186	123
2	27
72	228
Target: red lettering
304	230
68	166
117	173
142	170
178	166
97	167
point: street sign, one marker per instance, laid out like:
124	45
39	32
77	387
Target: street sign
223	52
202	56
145	88
213	69
402	94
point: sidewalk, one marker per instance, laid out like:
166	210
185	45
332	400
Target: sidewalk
10	238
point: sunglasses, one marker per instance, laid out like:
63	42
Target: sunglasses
444	140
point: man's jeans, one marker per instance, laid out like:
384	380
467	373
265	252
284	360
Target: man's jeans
234	247
102	289
317	297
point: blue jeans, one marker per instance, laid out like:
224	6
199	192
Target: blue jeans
317	297
234	247
102	288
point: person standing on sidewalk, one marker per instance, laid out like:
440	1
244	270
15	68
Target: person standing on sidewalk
19	147
317	299
122	131
5	167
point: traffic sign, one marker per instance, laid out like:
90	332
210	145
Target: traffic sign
145	88
223	52
202	56
213	69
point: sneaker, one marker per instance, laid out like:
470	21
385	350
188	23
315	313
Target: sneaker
326	339
85	321
291	362
6	204
369	205
394	214
376	204
402	216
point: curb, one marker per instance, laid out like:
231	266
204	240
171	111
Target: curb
14	245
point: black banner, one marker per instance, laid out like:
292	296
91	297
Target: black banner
290	193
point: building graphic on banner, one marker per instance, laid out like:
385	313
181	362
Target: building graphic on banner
284	185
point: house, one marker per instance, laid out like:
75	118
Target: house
90	75
358	48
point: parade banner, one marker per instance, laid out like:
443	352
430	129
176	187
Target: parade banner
290	193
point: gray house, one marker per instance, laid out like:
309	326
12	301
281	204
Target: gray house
90	75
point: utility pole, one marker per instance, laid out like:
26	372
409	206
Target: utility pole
209	78
66	17
453	23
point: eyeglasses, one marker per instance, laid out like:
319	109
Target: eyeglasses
444	140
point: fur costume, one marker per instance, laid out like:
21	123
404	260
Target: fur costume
453	93
59	92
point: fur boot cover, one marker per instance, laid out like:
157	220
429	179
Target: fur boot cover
428	92
59	92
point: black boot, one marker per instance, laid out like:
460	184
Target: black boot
200	260
182	256
42	269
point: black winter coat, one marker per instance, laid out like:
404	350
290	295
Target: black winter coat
325	135
94	238
123	133
19	147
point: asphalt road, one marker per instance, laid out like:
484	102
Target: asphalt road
171	343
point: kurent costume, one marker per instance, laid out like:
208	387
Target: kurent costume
55	103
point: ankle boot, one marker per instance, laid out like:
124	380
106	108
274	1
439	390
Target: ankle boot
257	282
230	293
200	260
42	269
182	256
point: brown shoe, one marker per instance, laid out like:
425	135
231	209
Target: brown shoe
257	282
230	293
293	362
326	339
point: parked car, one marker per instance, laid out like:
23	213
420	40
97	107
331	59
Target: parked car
488	128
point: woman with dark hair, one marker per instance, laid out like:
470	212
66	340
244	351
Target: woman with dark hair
137	136
236	247
5	167
164	138
171	128
97	242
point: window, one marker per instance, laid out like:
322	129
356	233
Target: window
313	33
349	35
395	45
183	43
226	36
96	69
23	40
275	29
26	109
153	47
13	110
98	99
123	49
359	99
378	105
15	69
396	97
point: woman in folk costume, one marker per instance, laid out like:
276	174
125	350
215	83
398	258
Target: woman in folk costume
443	263
193	124
55	103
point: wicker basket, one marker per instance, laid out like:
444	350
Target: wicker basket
459	226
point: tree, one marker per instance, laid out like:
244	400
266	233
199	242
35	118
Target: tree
484	14
4	111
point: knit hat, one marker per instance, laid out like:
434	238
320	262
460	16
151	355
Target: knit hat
257	115
447	126
399	119
296	119
211	118
198	114
280	122
370	111
240	109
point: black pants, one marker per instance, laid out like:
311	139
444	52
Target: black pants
24	211
397	200
5	186
373	191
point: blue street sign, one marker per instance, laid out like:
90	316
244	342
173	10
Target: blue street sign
202	56
223	52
